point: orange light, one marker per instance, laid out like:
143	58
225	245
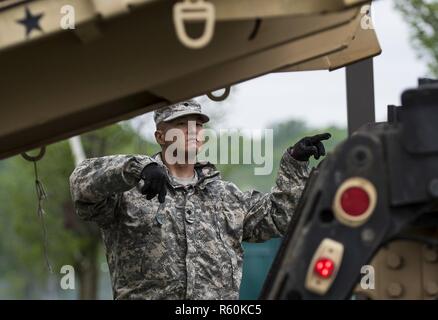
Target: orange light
324	267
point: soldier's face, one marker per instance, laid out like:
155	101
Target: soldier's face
184	133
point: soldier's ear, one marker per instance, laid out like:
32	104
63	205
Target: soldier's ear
159	137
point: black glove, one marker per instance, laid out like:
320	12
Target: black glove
155	179
309	146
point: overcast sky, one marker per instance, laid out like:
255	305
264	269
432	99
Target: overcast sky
319	97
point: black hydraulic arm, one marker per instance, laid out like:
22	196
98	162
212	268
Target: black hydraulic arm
377	183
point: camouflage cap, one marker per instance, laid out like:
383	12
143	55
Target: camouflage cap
180	109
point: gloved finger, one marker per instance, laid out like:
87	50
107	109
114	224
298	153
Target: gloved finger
163	180
311	150
155	186
162	194
150	195
320	137
317	155
306	142
321	149
145	187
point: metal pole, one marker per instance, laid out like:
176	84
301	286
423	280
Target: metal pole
360	94
76	149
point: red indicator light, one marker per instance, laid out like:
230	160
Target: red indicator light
355	201
324	267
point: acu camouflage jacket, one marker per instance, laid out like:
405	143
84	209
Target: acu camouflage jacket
189	247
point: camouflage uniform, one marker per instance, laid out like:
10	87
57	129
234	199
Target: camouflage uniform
190	246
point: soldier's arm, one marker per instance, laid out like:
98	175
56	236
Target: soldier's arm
96	185
267	215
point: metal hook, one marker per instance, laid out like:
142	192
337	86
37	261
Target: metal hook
41	196
187	11
256	29
220	98
39	156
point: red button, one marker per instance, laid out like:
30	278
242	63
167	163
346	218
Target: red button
355	201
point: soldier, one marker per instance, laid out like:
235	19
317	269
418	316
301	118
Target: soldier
174	231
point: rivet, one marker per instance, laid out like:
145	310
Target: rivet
394	261
430	255
395	290
433	188
431	288
368	235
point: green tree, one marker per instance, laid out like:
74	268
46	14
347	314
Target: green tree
70	241
422	17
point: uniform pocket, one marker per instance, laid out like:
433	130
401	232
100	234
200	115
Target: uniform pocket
226	237
143	250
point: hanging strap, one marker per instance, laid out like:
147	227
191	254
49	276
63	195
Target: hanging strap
41	196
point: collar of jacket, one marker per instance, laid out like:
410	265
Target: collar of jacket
206	171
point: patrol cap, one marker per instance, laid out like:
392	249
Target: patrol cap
178	110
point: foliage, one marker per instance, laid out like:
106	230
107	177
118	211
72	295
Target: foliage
422	16
23	273
21	246
285	135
